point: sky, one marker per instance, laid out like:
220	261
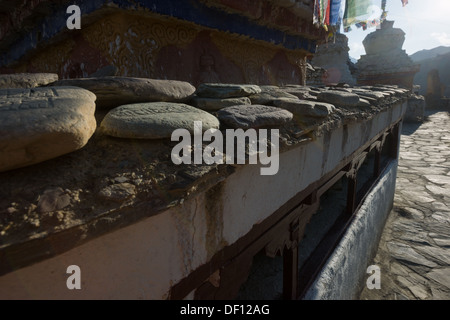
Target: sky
425	22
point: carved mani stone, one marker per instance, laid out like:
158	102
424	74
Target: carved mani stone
43	123
115	91
154	120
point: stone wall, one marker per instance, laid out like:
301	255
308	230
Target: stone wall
345	271
416	108
143	46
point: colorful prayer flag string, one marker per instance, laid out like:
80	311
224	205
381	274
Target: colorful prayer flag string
331	13
326	13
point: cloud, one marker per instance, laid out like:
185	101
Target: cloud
442	37
356	49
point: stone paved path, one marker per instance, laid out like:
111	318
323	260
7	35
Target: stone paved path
414	252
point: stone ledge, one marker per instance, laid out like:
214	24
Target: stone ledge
165	248
29	234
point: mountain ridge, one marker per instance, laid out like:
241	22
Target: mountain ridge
441	62
429	53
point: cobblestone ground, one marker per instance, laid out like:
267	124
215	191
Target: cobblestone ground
414	251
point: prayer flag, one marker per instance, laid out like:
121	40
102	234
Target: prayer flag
334	11
356	11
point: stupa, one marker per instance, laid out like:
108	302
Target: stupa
333	57
385	62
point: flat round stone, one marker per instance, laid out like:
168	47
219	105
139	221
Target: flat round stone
368	94
26	80
269	94
223	90
43	123
212	104
306	108
254	116
115	91
154	120
339	98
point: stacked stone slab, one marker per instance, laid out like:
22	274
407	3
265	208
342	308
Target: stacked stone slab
269	94
234	104
306	108
254	116
26	80
215	96
301	92
333	57
39	124
340	98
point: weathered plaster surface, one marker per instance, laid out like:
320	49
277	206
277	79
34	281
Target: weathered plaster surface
345	271
143	260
